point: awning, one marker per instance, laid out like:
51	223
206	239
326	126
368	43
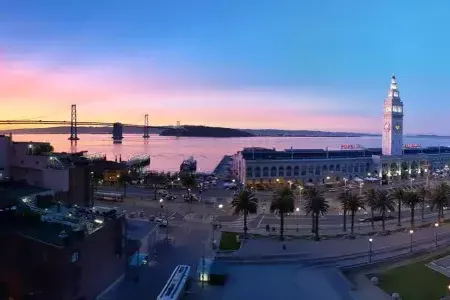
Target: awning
357	179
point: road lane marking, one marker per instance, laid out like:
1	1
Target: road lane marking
259	223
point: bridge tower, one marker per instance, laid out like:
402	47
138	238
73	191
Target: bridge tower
146	127
178	124
73	124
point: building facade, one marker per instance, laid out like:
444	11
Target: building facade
394	161
74	254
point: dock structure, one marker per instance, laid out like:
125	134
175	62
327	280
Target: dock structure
222	165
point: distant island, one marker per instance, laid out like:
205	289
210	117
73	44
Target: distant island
205	131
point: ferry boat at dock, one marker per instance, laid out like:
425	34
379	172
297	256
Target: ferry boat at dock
188	165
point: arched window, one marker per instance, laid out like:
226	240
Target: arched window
273	172
317	170
303	171
331	168
266	172
310	170
249	172
281	171
325	168
338	168
257	172
288	171
344	168
296	171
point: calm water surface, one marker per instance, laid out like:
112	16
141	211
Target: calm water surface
168	152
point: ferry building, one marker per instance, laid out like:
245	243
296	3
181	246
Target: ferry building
394	161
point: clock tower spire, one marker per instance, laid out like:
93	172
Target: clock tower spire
392	138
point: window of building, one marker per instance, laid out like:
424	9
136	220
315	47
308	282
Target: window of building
74	257
281	171
318	170
289	171
331	168
273	172
338	168
344	168
296	171
265	172
249	172
257	172
310	170
303	170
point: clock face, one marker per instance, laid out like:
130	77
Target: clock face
387	126
398	127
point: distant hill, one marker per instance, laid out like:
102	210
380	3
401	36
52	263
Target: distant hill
205	131
305	133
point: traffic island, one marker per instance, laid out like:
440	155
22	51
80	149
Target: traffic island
423	279
229	241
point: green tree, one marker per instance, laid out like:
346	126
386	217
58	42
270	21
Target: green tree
282	203
439	198
353	204
411	199
370	198
124	179
189	182
245	203
343	201
384	203
423	194
316	204
398	194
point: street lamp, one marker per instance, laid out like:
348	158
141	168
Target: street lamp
345	181
368	174
411	240
300	188
426	171
298	213
411	182
436	225
361	184
220	206
161	201
290	184
328	177
370	250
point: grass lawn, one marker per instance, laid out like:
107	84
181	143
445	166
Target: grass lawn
415	281
228	241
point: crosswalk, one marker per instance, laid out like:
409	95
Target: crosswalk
239	222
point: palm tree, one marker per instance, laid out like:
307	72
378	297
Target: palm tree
245	203
370	198
412	199
398	194
353	204
423	194
316	204
439	198
283	203
189	182
343	197
384	203
124	179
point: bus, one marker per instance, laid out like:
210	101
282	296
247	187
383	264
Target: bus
177	284
108	196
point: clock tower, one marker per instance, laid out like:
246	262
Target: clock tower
392	143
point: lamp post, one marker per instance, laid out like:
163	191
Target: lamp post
298	213
220	206
345	181
411	182
300	193
370	250
427	173
361	184
411	232
161	201
436	225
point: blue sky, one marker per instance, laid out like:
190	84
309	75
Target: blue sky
314	64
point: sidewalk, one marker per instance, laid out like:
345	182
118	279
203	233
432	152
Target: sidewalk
338	246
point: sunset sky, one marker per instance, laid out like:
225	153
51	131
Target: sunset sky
287	64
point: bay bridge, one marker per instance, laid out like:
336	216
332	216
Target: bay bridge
117	127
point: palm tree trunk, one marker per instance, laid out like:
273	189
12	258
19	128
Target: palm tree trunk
245	224
412	217
353	222
383	224
313	223
317	227
399	222
344	228
423	210
371	216
281	226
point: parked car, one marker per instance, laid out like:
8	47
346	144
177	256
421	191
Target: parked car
169	197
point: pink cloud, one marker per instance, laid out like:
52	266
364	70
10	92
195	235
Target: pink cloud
115	93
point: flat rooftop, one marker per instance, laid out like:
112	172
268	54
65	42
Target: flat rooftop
49	222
